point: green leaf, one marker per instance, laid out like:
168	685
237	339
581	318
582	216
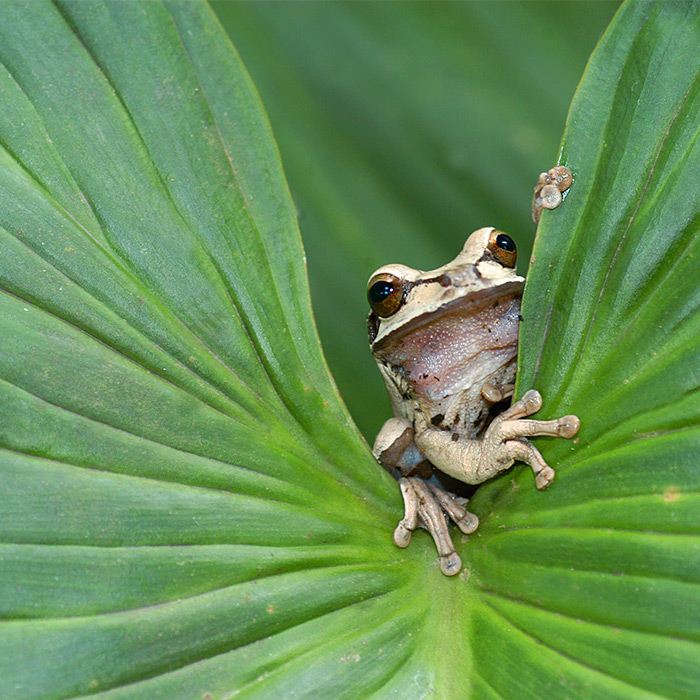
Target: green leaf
170	436
602	571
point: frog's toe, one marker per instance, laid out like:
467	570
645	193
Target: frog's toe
426	506
468	523
568	426
404	530
402	535
450	564
455	508
544	477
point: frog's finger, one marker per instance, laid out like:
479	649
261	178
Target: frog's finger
565	427
496	394
521	450
530	403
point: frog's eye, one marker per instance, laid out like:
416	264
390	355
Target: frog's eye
503	248
385	293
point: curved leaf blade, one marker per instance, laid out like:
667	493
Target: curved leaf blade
170	437
602	568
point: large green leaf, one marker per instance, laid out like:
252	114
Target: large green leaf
601	575
187	510
402	128
170	435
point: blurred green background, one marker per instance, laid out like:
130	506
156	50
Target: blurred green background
402	128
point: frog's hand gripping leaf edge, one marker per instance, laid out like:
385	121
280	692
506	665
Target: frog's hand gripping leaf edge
446	343
549	190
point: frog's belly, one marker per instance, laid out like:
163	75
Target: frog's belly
457	353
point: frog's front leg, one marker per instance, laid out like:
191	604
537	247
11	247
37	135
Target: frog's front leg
475	461
425	503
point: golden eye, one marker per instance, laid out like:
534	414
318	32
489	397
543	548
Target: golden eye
385	293
503	248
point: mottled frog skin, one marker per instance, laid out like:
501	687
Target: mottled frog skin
446	343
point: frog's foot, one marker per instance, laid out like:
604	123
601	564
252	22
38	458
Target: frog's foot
508	432
425	506
548	190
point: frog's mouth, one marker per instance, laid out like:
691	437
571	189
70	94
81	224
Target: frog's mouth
468	305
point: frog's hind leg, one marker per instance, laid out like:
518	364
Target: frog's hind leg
424	503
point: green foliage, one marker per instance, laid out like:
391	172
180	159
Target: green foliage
186	508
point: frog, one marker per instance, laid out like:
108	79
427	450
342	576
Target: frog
446	344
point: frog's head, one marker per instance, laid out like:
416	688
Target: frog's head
403	299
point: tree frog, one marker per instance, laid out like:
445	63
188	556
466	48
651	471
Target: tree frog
446	343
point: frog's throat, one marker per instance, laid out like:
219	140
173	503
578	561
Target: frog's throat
455	352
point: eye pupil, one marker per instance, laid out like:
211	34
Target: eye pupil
379	291
505	242
503	248
385	293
